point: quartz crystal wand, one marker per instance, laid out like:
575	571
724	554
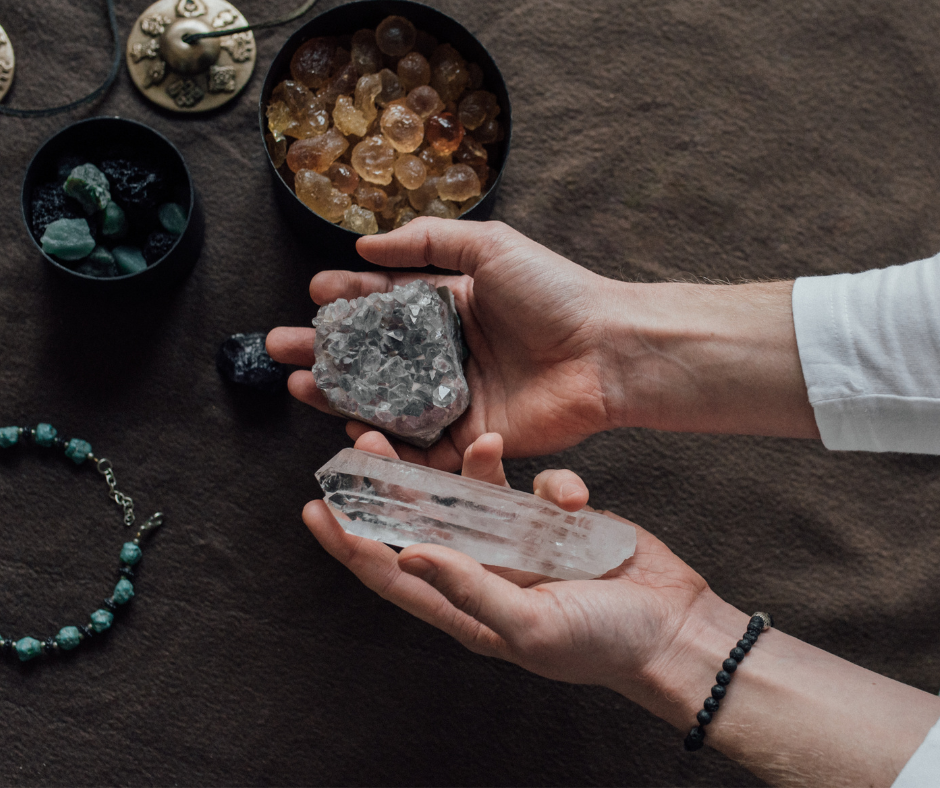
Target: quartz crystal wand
403	504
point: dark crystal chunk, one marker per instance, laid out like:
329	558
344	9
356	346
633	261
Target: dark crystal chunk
158	244
132	184
242	359
49	204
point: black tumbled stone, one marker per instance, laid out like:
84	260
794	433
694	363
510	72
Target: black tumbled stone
134	185
242	359
127	572
723	677
719	691
729	665
695	739
744	645
704	717
711	704
158	244
110	604
737	654
86	631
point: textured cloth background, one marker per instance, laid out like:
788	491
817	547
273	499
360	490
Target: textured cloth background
714	139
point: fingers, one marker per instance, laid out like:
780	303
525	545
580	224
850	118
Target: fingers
375	443
327	286
492	600
292	346
302	386
483	459
562	487
443	455
446	243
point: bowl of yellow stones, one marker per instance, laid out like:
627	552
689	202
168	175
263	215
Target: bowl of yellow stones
375	113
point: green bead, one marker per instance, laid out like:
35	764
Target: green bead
129	259
173	218
45	434
89	185
27	648
68	239
123	591
78	450
9	436
114	224
68	638
101	620
130	553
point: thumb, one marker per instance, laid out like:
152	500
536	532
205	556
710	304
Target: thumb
482	595
446	243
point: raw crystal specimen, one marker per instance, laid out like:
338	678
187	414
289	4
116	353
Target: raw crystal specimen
402	128
317	153
395	36
410	171
458	183
373	159
133	185
393	360
360	220
68	239
445	133
343	177
89	186
317	192
348	119
312	62
404	504
413	71
242	359
49	203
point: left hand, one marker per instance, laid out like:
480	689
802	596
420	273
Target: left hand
610	631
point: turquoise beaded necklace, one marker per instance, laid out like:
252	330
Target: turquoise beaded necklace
69	637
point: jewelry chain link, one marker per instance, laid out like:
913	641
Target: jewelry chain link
124	501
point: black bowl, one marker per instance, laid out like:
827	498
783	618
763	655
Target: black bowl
324	238
96	139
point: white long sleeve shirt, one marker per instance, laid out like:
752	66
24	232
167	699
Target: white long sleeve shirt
870	350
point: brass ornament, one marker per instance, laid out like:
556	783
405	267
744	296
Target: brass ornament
183	77
7	63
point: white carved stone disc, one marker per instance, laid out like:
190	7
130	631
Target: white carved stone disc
183	77
7	63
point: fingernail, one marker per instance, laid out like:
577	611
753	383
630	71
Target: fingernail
420	568
567	489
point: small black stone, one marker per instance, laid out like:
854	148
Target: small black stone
729	665
723	677
133	185
719	691
110	604
758	620
158	244
50	203
695	739
750	637
711	704
744	645
59	443
86	631
127	572
737	654
242	359
704	717
50	646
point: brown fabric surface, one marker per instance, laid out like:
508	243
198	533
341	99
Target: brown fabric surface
656	139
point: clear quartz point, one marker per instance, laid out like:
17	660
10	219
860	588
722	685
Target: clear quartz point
403	504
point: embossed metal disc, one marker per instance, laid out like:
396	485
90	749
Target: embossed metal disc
7	62
184	77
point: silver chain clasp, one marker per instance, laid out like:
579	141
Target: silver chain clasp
124	501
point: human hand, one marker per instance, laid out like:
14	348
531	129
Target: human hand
534	323
612	631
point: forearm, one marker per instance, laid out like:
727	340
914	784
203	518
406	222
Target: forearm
705	358
793	714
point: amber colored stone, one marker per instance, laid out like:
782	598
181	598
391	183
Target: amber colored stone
470	152
343	177
340	59
444	132
458	183
365	53
484	173
281	121
491	131
427	191
441	209
435	161
294	94
476	77
402	128
404	216
374	159
314	122
476	107
360	220
312	62
277	149
348	119
410	171
395	36
391	88
395	203
413	71
425	43
367	88
449	75
316	153
318	194
424	101
371	197
343	83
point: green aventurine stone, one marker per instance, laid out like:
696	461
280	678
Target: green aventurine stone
114	224
78	450
45	434
173	218
100	263
68	638
9	436
123	591
68	239
27	648
129	259
101	620
130	553
87	184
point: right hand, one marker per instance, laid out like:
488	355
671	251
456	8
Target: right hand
534	323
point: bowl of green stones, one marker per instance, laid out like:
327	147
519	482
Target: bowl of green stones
110	204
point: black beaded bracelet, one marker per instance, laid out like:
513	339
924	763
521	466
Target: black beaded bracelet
759	623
